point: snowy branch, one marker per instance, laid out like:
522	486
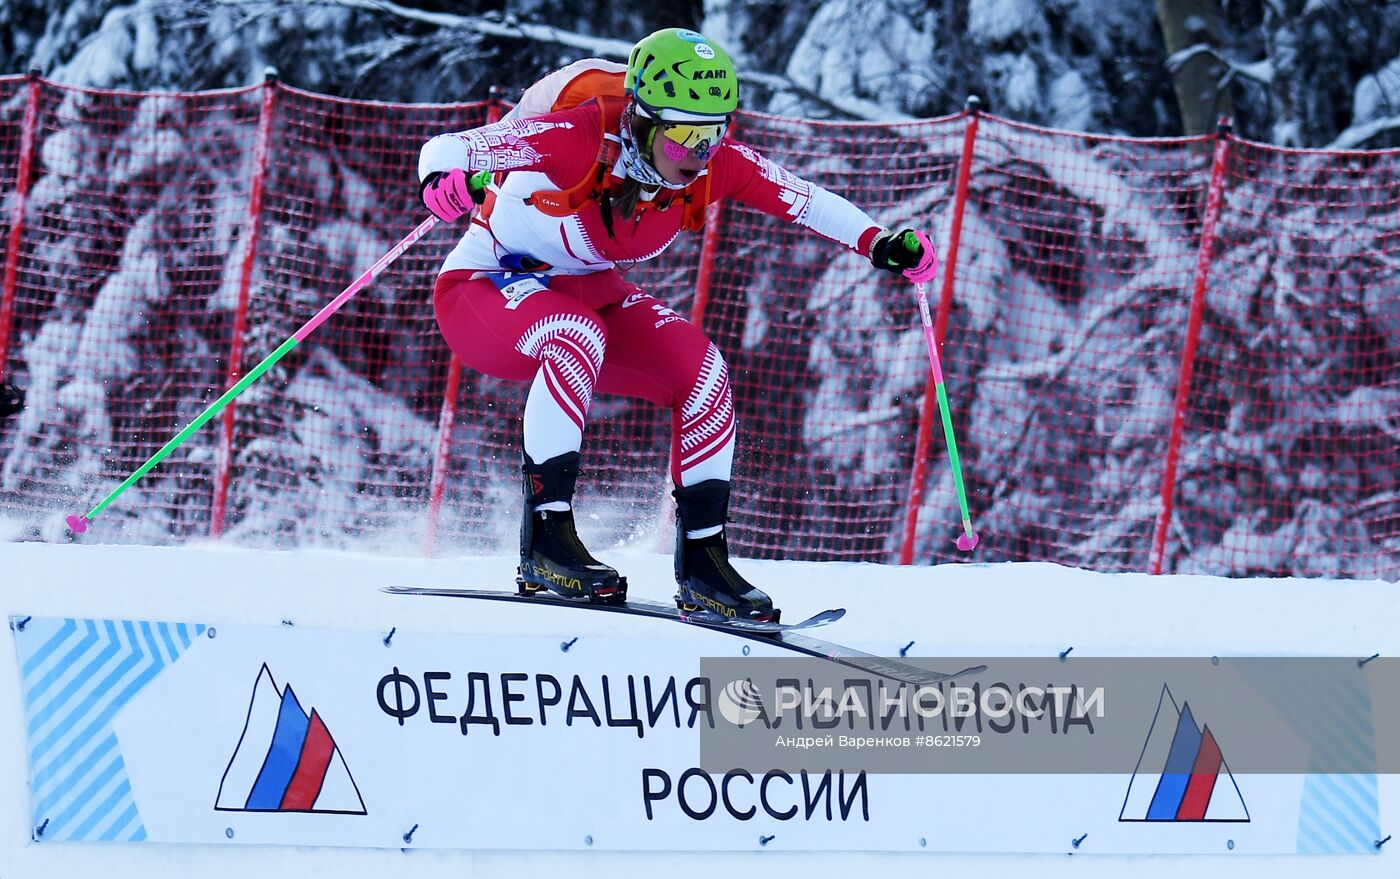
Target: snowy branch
103	53
491	26
1357	135
1259	71
600	47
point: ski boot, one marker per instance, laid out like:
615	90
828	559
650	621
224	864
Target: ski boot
551	555
704	576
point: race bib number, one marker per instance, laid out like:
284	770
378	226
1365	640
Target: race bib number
516	287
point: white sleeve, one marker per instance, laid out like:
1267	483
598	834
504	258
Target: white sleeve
543	143
833	216
442	153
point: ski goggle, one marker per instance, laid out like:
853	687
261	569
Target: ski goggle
699	140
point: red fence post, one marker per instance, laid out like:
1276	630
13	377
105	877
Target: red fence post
918	481
442	454
704	276
245	283
1214	197
26	167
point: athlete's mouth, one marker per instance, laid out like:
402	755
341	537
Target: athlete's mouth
688	174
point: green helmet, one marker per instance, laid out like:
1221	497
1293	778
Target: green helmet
678	74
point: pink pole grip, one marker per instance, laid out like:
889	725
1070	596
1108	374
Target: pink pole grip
927	268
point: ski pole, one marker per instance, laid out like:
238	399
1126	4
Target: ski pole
78	524
921	275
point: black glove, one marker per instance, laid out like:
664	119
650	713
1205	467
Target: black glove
11	399
896	251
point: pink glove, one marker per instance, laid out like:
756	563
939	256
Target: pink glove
451	195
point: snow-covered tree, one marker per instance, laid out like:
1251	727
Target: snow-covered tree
1294	72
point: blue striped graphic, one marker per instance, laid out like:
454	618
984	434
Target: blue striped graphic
77	675
282	756
1186	744
1339	811
1339	814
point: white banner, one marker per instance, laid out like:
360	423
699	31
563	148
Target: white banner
191	733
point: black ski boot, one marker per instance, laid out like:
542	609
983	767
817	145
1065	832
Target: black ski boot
706	579
551	555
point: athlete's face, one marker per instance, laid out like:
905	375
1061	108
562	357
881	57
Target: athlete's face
681	150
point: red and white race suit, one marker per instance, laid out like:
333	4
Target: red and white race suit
577	326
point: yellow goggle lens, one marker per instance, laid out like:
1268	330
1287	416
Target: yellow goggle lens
698	138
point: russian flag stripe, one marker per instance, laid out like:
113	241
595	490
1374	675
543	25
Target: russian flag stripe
306	782
1202	784
1186	744
282	756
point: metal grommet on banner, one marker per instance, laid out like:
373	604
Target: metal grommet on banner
764	840
564	648
1230	844
211	632
1064	653
1381	842
1076	842
1361	663
39	831
408	837
19	625
389	637
587	840
904	651
228	831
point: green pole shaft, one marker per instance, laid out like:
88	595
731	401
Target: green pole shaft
203	418
968	541
953	454
79	524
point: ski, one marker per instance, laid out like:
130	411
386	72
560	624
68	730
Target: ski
709	617
700	617
787	636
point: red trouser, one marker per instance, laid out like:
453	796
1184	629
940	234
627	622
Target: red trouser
586	333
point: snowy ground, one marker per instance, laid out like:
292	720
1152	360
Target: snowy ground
966	609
